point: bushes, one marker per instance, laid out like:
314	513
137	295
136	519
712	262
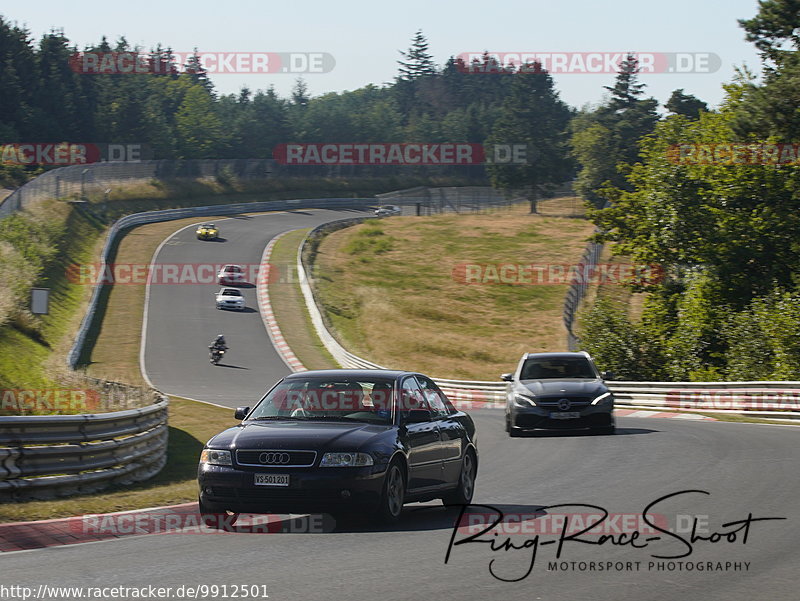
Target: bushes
691	335
764	339
618	345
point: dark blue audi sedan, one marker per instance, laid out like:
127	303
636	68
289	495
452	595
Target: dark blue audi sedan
341	440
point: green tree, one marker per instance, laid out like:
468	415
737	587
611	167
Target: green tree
685	104
534	116
615	127
776	25
199	128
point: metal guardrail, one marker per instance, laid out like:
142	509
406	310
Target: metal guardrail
577	292
54	455
646	395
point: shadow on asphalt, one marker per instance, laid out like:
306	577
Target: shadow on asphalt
231	366
579	433
415	518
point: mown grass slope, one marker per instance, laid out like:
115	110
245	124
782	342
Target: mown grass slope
394	290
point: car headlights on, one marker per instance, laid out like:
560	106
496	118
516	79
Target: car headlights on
523	401
215	457
603	399
346	460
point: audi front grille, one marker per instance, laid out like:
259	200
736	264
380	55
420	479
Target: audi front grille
275	458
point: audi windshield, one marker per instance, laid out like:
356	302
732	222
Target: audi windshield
364	399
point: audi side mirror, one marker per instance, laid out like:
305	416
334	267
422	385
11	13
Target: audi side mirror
241	412
507	377
607	375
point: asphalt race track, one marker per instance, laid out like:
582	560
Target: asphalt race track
183	320
749	470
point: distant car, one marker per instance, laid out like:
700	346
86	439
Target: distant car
387	210
558	391
340	440
230	298
207	231
231	274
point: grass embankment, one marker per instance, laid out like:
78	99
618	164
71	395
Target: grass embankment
393	294
38	248
191	425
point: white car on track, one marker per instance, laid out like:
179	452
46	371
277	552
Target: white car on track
388	210
230	298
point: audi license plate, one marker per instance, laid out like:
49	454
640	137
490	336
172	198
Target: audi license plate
272	479
565	415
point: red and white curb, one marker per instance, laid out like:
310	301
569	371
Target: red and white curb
667	414
172	519
265	307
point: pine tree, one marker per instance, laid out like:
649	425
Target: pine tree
417	62
197	72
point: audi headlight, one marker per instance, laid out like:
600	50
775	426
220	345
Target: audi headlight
215	457
603	398
346	460
523	401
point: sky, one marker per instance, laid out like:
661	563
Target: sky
700	39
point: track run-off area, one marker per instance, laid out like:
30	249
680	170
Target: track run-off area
707	485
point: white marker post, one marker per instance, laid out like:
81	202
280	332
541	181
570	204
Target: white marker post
40	301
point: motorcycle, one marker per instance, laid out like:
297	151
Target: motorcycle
215	355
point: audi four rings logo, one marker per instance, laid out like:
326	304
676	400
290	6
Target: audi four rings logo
274	458
564	404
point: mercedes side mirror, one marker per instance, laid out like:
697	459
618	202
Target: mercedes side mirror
507	377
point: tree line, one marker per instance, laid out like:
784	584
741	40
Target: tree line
722	219
178	114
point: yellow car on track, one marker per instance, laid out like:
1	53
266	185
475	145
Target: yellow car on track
207	231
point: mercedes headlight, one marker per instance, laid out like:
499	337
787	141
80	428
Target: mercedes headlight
523	401
215	457
603	398
346	460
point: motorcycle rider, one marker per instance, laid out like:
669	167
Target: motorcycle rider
218	344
